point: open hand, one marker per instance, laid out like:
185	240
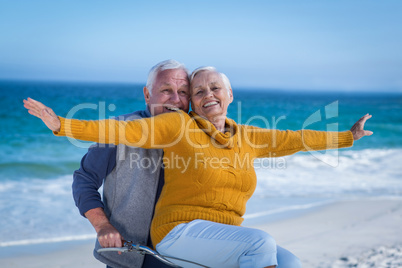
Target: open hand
358	128
43	112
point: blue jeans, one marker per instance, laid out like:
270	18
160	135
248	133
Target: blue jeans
221	245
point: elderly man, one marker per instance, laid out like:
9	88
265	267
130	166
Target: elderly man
131	189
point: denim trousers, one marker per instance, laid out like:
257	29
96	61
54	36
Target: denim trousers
221	245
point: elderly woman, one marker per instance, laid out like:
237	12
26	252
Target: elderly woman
209	173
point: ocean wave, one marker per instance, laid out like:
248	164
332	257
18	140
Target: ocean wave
34	208
47	240
286	209
17	170
347	172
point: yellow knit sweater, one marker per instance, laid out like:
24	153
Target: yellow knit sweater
209	175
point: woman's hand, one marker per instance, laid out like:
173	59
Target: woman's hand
358	128
43	112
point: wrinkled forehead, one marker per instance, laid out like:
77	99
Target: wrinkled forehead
172	76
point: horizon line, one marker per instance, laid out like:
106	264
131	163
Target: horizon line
239	87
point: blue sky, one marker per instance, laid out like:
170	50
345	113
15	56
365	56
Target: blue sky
319	45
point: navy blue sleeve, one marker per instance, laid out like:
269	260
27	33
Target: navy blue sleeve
95	166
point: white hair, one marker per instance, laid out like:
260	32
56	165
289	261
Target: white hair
162	66
225	79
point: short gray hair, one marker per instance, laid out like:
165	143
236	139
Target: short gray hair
162	66
225	79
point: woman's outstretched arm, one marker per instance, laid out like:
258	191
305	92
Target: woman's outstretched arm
43	112
268	143
358	128
160	131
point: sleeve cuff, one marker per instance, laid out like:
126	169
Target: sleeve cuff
342	139
86	208
69	127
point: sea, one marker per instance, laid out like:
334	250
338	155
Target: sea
36	204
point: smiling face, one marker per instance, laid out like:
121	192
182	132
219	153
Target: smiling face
209	97
170	92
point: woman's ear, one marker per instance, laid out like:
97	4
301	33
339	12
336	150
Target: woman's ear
231	95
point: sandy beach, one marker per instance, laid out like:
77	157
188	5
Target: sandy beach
338	234
352	233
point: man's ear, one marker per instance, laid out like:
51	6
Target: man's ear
147	96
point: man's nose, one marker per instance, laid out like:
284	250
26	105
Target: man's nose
175	97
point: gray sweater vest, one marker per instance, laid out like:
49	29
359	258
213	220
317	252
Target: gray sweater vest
129	196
